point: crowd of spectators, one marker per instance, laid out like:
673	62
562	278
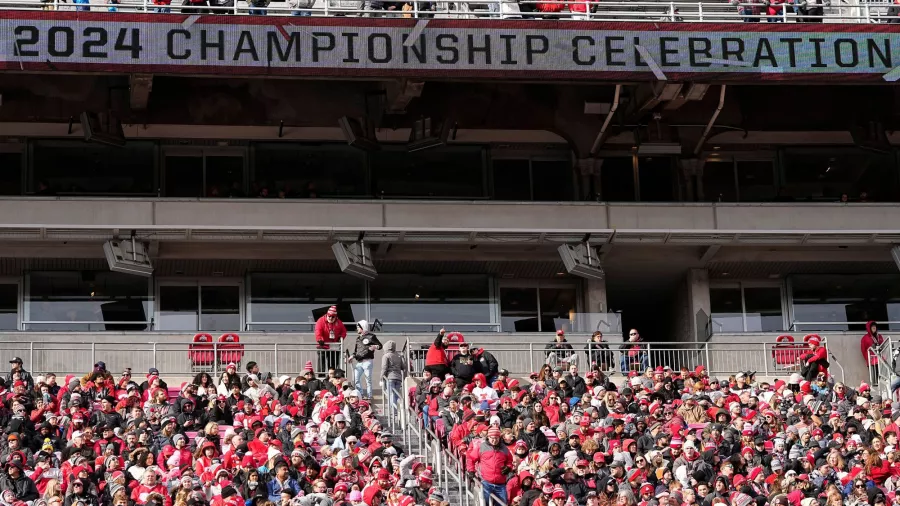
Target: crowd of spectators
239	440
664	436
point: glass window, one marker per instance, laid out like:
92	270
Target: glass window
427	303
309	171
820	175
763	309
9	307
10	173
512	180
718	181
727	309
519	310
656	178
845	302
220	308
184	176
200	307
756	180
87	300
293	302
179	308
224	174
557	309
541	309
552	180
743	307
617	179
451	171
80	168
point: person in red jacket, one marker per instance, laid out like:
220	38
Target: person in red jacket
872	339
815	359
329	329
494	461
436	358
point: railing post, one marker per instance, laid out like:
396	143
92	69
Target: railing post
31	355
708	366
275	351
154	355
531	356
672	10
216	356
93	353
700	10
766	359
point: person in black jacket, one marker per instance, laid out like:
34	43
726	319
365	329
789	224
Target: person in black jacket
463	366
576	382
535	439
487	364
15	480
364	356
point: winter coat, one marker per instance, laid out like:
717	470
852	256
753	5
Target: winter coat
493	462
870	341
329	332
361	351
392	363
436	354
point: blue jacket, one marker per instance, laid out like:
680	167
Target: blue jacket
275	488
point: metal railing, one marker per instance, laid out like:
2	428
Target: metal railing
589	10
882	373
172	358
524	358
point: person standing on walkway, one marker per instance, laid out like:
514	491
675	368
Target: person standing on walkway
329	329
364	356
392	367
494	461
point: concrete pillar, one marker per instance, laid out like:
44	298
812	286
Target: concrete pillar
596	307
698	291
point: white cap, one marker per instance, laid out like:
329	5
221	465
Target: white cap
363	325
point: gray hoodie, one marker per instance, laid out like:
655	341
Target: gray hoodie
392	363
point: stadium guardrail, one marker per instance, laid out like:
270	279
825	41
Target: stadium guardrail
524	357
591	10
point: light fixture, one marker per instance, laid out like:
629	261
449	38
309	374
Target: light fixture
724	273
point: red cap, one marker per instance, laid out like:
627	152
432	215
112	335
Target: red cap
581	463
383	474
332	311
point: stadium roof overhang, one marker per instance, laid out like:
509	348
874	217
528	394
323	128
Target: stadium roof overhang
463	235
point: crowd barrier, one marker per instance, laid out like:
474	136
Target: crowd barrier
719	359
589	10
171	358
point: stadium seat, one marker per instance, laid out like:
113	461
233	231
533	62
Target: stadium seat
201	353
230	349
786	352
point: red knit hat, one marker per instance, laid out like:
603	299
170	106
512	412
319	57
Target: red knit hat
308	366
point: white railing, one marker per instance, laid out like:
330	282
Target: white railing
524	357
171	358
882	373
850	11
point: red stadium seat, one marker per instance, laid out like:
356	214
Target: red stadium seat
786	352
453	341
201	353
230	349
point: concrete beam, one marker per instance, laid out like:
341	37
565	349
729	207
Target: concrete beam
709	253
400	93
140	86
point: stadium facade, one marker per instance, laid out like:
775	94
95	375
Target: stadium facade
735	179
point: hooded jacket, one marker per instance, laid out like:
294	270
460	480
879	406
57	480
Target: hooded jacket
392	363
361	351
870	340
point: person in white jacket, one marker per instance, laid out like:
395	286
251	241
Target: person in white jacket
483	392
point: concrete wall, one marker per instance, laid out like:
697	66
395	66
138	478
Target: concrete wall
325	214
844	346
